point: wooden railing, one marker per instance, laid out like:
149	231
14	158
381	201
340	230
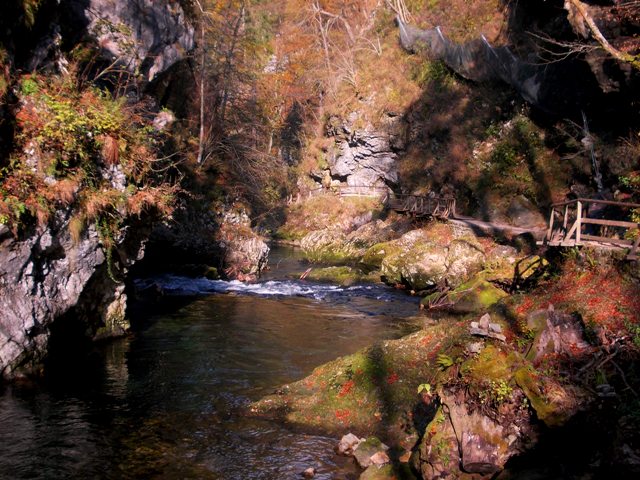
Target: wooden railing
423	206
415	205
345	191
582	221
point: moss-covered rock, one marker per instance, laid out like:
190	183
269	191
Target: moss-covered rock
553	402
505	265
372	389
478	411
420	267
336	246
341	275
388	472
465	257
327	246
373	256
464	443
474	296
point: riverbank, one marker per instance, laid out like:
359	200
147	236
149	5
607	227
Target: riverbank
504	366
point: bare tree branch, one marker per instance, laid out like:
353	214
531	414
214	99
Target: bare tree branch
597	34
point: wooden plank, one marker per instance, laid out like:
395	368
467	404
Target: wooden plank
562	204
573	230
613	241
550	229
610	223
578	222
633	257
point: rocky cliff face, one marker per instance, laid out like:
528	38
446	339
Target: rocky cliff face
362	156
145	36
53	277
49	274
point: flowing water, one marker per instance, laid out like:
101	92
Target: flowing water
166	402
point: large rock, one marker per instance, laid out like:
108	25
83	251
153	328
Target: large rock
363	157
422	260
523	213
146	36
49	274
336	246
474	296
461	440
245	253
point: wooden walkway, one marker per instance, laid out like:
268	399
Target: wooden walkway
423	206
573	223
583	222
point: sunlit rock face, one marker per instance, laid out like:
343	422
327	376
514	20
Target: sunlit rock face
142	36
363	156
245	253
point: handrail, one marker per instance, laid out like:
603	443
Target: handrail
565	234
598	201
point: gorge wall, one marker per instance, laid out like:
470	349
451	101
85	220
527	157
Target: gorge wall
56	275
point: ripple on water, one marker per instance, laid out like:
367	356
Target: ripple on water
165	402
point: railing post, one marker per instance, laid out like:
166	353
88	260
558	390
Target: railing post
634	248
566	218
578	222
550	229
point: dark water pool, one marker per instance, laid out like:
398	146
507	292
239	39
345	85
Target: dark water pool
164	403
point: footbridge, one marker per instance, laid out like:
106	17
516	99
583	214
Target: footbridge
579	222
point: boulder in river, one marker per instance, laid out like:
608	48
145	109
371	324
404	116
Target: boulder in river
245	252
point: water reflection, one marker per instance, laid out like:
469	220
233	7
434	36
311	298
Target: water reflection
163	404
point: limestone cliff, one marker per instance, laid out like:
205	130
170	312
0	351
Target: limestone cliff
75	198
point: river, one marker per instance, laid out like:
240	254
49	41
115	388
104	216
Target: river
165	402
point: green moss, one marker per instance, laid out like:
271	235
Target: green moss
546	411
212	273
476	295
492	364
342	275
388	472
374	255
